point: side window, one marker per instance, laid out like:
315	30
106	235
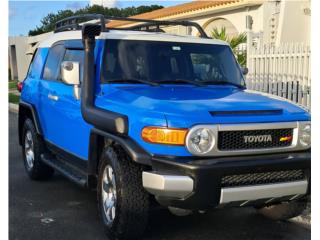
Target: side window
75	55
52	66
30	70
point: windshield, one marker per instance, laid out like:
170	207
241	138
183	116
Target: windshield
169	62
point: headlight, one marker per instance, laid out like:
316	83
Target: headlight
305	135
200	141
161	135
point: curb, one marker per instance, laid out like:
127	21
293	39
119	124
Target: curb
13	107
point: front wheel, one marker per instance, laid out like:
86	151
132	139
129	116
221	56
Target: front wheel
32	148
122	201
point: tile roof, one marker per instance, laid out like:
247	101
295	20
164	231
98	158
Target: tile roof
178	9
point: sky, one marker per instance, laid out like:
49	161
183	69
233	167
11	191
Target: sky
26	15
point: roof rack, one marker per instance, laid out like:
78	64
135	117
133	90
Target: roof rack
76	22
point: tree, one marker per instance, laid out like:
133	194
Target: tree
48	22
234	41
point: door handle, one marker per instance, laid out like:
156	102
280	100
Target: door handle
53	97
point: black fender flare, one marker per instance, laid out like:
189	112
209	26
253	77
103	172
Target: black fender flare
134	150
27	109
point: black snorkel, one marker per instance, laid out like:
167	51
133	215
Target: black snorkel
102	119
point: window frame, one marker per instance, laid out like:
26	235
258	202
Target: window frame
59	64
31	64
242	81
67	45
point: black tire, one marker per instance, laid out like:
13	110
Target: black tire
283	211
132	201
38	170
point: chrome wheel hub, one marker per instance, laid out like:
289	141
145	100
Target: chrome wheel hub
109	194
28	149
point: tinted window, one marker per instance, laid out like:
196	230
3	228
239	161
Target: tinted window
163	61
52	67
75	56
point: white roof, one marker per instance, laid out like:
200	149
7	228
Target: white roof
130	35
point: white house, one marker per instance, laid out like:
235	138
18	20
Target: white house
272	21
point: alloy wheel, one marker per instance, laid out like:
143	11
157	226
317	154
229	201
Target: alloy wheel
109	194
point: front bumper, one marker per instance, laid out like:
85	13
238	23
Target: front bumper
193	183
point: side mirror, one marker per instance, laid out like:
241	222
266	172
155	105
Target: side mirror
244	70
70	72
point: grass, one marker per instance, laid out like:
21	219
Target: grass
13	98
13	84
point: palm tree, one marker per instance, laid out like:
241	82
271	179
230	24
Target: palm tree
234	42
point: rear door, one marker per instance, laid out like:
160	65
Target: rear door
60	112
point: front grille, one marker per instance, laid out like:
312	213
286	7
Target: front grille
262	178
254	139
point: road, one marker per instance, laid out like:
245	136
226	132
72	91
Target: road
58	209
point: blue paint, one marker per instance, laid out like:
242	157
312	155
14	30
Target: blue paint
183	106
61	121
177	106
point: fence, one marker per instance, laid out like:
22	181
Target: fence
283	71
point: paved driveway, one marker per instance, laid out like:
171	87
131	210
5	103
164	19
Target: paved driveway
58	210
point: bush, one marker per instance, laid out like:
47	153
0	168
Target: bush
234	42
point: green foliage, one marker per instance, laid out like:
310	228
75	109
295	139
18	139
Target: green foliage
13	84
48	22
242	58
13	98
234	42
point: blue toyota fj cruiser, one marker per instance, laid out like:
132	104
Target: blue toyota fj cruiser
141	116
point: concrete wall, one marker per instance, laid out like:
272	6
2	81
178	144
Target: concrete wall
294	22
20	50
236	17
261	14
18	60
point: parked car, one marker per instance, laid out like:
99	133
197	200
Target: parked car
144	116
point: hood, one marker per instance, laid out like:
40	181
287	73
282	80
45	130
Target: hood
185	105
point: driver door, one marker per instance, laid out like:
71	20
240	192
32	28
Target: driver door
63	125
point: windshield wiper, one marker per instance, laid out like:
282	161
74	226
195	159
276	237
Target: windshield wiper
223	83
181	81
133	80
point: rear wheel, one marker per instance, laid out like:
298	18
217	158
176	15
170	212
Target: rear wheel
283	211
122	201
32	148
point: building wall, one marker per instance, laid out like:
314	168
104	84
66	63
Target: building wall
236	17
20	50
294	22
274	22
18	60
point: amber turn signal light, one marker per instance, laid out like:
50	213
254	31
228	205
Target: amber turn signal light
170	136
